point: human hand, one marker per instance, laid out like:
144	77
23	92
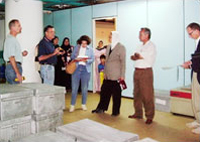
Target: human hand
186	65
24	53
19	78
56	51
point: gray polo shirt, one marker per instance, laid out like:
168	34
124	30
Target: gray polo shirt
12	48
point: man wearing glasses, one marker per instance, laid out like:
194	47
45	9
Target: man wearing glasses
193	30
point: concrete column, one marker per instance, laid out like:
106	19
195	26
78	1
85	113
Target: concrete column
30	15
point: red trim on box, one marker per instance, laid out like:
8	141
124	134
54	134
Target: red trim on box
180	94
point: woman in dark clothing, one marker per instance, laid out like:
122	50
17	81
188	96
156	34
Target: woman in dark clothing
68	51
60	75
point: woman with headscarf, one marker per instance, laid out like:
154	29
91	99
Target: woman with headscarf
100	50
67	57
114	72
59	73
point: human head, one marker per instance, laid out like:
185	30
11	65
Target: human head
145	34
55	40
15	26
84	40
100	43
102	58
193	30
66	41
49	32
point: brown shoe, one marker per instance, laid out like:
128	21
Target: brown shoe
149	121
134	117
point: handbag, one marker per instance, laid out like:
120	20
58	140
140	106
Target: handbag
71	67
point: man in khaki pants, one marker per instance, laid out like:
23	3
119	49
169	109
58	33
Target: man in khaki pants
144	58
193	30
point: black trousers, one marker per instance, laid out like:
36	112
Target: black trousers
110	88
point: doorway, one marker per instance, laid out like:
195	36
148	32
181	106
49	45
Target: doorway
101	30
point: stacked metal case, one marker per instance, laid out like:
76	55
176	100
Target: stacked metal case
15	112
47	136
90	131
48	105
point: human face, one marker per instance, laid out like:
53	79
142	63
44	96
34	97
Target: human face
50	33
110	38
84	44
100	44
193	33
143	36
17	28
102	61
55	41
66	42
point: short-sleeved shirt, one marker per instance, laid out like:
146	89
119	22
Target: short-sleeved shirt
148	52
12	48
46	47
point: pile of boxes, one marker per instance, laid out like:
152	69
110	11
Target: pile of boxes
29	108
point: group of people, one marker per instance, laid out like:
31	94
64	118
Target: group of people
113	65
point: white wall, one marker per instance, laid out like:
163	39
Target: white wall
167	20
2	33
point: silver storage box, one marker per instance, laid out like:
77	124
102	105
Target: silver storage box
90	131
44	122
15	102
147	140
162	100
47	136
47	98
15	129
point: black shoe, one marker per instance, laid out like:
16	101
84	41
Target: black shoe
115	114
98	111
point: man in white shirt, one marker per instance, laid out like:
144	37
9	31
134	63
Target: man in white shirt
193	30
144	58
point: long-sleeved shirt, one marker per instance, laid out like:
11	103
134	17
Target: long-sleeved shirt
115	64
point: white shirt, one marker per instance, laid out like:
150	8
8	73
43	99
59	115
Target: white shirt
82	53
197	41
148	52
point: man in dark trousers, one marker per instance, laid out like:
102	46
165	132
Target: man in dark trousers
193	31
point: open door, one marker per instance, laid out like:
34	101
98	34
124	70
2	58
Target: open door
101	30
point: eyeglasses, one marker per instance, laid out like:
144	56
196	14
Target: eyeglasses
191	33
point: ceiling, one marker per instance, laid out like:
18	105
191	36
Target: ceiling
54	5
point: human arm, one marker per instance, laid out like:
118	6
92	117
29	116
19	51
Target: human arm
14	65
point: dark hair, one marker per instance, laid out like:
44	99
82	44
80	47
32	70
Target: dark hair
47	28
12	23
54	38
102	56
147	31
85	38
66	38
194	26
101	41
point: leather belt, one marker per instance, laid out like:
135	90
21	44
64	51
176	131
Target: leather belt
143	68
47	64
16	62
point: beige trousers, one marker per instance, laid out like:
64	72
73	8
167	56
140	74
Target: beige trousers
196	97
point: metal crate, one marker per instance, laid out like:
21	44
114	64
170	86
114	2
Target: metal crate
15	129
15	102
47	136
46	122
90	131
47	98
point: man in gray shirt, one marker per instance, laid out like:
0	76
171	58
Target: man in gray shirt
13	54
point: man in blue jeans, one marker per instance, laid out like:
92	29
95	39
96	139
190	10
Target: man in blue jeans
13	54
47	55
